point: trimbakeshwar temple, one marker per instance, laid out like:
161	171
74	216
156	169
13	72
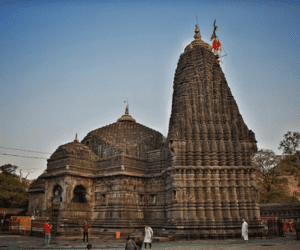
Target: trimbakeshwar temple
197	182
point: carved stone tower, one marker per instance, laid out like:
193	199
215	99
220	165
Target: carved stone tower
213	184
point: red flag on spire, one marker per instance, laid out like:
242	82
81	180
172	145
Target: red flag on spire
216	45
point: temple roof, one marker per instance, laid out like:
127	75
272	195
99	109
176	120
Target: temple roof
125	135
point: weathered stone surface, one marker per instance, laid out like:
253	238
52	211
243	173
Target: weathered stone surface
197	181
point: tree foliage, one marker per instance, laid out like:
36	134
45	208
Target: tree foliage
8	169
291	143
12	191
266	160
272	171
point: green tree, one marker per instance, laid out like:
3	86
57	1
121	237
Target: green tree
291	143
12	192
8	169
272	185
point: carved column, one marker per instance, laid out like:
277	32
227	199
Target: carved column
225	196
191	197
198	153
217	199
233	195
208	201
229	153
214	150
200	198
189	153
222	156
206	153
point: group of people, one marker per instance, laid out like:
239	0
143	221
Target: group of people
132	244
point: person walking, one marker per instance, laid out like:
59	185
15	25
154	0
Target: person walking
297	228
47	230
245	230
148	236
86	226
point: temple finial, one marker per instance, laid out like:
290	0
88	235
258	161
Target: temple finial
197	32
76	139
127	108
126	116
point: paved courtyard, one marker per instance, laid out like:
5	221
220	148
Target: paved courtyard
26	242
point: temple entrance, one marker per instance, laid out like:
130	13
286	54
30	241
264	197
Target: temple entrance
79	194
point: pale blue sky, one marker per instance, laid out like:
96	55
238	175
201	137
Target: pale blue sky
68	66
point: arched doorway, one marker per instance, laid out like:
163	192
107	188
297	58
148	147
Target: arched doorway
79	194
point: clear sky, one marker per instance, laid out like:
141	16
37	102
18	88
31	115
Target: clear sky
68	66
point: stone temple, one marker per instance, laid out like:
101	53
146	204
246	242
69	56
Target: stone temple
197	182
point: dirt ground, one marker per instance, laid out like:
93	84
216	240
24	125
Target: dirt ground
12	242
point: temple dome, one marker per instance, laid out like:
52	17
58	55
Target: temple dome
124	136
73	149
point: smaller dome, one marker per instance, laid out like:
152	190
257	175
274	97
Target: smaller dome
126	116
74	148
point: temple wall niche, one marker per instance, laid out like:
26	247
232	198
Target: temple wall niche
36	201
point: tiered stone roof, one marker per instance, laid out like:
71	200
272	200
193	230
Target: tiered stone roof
205	114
